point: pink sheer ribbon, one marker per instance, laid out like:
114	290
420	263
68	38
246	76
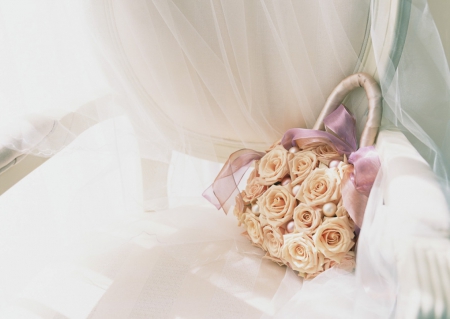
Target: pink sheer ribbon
224	189
340	134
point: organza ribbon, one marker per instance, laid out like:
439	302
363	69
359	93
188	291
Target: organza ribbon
340	134
224	189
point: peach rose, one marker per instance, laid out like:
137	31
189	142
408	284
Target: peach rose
342	212
273	241
334	238
262	218
299	251
255	187
277	205
254	230
323	185
343	168
326	153
239	209
274	165
300	165
306	218
254	173
348	263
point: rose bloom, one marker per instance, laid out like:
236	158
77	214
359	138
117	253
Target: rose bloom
348	263
273	241
274	165
277	205
254	188
323	185
343	168
300	165
306	218
254	173
262	219
299	251
334	238
326	153
342	212
239	209
254	230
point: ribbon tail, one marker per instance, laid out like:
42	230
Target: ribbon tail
224	189
354	201
366	163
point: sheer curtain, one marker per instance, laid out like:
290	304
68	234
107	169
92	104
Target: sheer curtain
145	99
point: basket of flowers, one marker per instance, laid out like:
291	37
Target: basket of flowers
304	201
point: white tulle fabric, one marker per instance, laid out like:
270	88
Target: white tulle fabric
146	98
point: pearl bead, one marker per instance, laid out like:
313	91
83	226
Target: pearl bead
285	181
295	190
329	209
334	163
294	149
255	209
290	226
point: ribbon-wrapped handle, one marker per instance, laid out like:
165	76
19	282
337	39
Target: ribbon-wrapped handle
374	96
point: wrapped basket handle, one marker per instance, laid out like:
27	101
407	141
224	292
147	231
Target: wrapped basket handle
373	94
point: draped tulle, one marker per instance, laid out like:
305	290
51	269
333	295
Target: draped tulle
177	86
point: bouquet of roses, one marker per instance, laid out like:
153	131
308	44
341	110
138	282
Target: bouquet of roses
305	198
292	208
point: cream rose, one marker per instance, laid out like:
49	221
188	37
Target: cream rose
342	212
326	153
277	205
273	241
299	251
274	165
254	230
323	185
253	174
327	264
334	238
300	165
343	168
255	187
306	218
348	263
239	209
262	218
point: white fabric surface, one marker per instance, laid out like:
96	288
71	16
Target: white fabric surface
79	248
91	252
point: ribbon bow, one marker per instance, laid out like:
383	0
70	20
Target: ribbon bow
340	134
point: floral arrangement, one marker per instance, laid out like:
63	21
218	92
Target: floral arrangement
305	198
292	208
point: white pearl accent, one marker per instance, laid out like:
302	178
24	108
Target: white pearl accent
329	209
295	190
294	149
255	209
285	181
334	163
290	226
